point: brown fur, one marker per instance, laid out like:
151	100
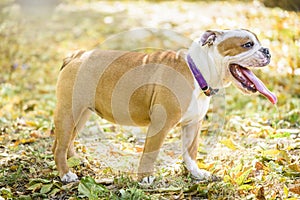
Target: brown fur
72	56
128	88
233	46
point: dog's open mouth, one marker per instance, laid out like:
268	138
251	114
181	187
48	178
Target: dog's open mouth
250	82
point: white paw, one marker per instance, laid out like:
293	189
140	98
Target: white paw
201	174
69	177
147	180
197	173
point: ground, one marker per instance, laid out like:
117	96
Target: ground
252	145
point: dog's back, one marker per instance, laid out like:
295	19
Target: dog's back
70	57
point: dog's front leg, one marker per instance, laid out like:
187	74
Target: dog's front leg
190	143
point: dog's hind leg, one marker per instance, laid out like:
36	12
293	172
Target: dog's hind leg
80	124
64	132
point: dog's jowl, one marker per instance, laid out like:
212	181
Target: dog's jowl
160	90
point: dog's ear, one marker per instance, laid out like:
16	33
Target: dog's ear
209	37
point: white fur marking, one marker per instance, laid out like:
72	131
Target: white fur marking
191	165
69	177
147	180
145	59
86	54
198	106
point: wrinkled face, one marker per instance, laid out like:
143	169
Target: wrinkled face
245	49
241	50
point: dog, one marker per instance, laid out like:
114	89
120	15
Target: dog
160	90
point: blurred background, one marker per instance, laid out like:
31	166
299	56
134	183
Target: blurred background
36	35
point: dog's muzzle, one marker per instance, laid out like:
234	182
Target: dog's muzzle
265	51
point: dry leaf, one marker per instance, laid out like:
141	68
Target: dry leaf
261	194
295	167
229	143
259	166
242	178
139	149
295	189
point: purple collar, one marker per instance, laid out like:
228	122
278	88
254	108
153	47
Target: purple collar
208	91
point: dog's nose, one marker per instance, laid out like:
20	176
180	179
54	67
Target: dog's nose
266	52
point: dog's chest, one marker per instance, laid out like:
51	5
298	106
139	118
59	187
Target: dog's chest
198	107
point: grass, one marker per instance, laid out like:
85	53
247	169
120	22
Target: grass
256	153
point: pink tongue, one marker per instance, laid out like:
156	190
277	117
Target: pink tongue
259	85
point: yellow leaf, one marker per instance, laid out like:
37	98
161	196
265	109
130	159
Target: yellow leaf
83	149
271	153
243	177
275	154
229	143
246	187
14	167
31	123
236	169
205	166
294	167
285	190
227	178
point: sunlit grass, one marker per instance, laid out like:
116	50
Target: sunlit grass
266	137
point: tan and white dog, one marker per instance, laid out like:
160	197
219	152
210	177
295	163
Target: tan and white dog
159	90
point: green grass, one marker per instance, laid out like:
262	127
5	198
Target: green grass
266	138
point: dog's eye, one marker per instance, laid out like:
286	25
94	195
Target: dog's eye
248	45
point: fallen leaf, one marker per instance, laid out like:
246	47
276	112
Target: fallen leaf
229	143
285	190
35	135
275	154
205	166
73	162
139	149
35	187
261	194
31	123
259	166
271	153
295	167
54	192
295	189
83	149
89	188
246	187
24	141
237	169
243	177
14	167
46	188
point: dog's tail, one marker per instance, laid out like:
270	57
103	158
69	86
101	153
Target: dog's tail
70	57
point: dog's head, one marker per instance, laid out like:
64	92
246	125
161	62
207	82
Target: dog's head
237	51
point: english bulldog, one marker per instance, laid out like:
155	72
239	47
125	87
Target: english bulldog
160	90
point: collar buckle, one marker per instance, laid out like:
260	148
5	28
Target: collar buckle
209	91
